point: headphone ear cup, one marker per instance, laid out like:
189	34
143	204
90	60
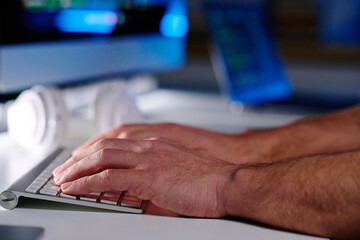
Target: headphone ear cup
114	106
57	117
27	119
37	119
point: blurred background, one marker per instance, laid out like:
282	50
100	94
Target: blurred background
318	41
222	65
279	54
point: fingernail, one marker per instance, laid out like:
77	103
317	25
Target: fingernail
60	168
66	186
58	178
56	171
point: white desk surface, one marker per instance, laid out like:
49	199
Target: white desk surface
62	221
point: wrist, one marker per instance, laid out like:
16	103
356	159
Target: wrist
235	192
260	146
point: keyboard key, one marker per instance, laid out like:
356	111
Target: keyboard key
63	195
51	182
44	184
110	198
131	201
46	174
92	197
49	192
32	189
43	178
38	182
52	187
133	204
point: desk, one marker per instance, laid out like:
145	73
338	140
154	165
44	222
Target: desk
63	221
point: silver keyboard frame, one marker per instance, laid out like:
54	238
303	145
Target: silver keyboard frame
11	198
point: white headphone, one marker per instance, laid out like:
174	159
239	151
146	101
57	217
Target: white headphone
38	118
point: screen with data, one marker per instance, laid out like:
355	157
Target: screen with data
246	60
25	21
63	4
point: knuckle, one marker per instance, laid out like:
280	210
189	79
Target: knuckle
103	155
98	164
159	144
106	178
145	145
153	139
74	158
100	144
123	128
72	170
126	134
85	181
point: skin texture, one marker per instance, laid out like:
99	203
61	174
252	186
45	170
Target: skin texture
316	195
303	177
303	138
123	165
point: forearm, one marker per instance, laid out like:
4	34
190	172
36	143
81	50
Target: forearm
317	195
330	133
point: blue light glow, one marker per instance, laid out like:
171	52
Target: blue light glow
172	25
175	22
87	21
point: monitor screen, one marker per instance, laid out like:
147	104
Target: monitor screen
248	65
63	41
26	21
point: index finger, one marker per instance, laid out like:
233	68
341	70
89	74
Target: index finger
109	180
112	133
119	144
100	161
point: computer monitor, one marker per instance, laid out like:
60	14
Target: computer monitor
63	41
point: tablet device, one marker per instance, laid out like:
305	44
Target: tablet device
245	57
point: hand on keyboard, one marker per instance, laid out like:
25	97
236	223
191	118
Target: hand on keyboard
45	184
234	148
169	175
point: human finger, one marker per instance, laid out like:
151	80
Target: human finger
94	140
124	144
97	162
112	133
193	138
109	180
123	133
120	144
169	131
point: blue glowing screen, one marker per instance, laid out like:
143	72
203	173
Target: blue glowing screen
104	17
248	62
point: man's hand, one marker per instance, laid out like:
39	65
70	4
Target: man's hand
223	146
236	149
169	175
303	138
316	194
